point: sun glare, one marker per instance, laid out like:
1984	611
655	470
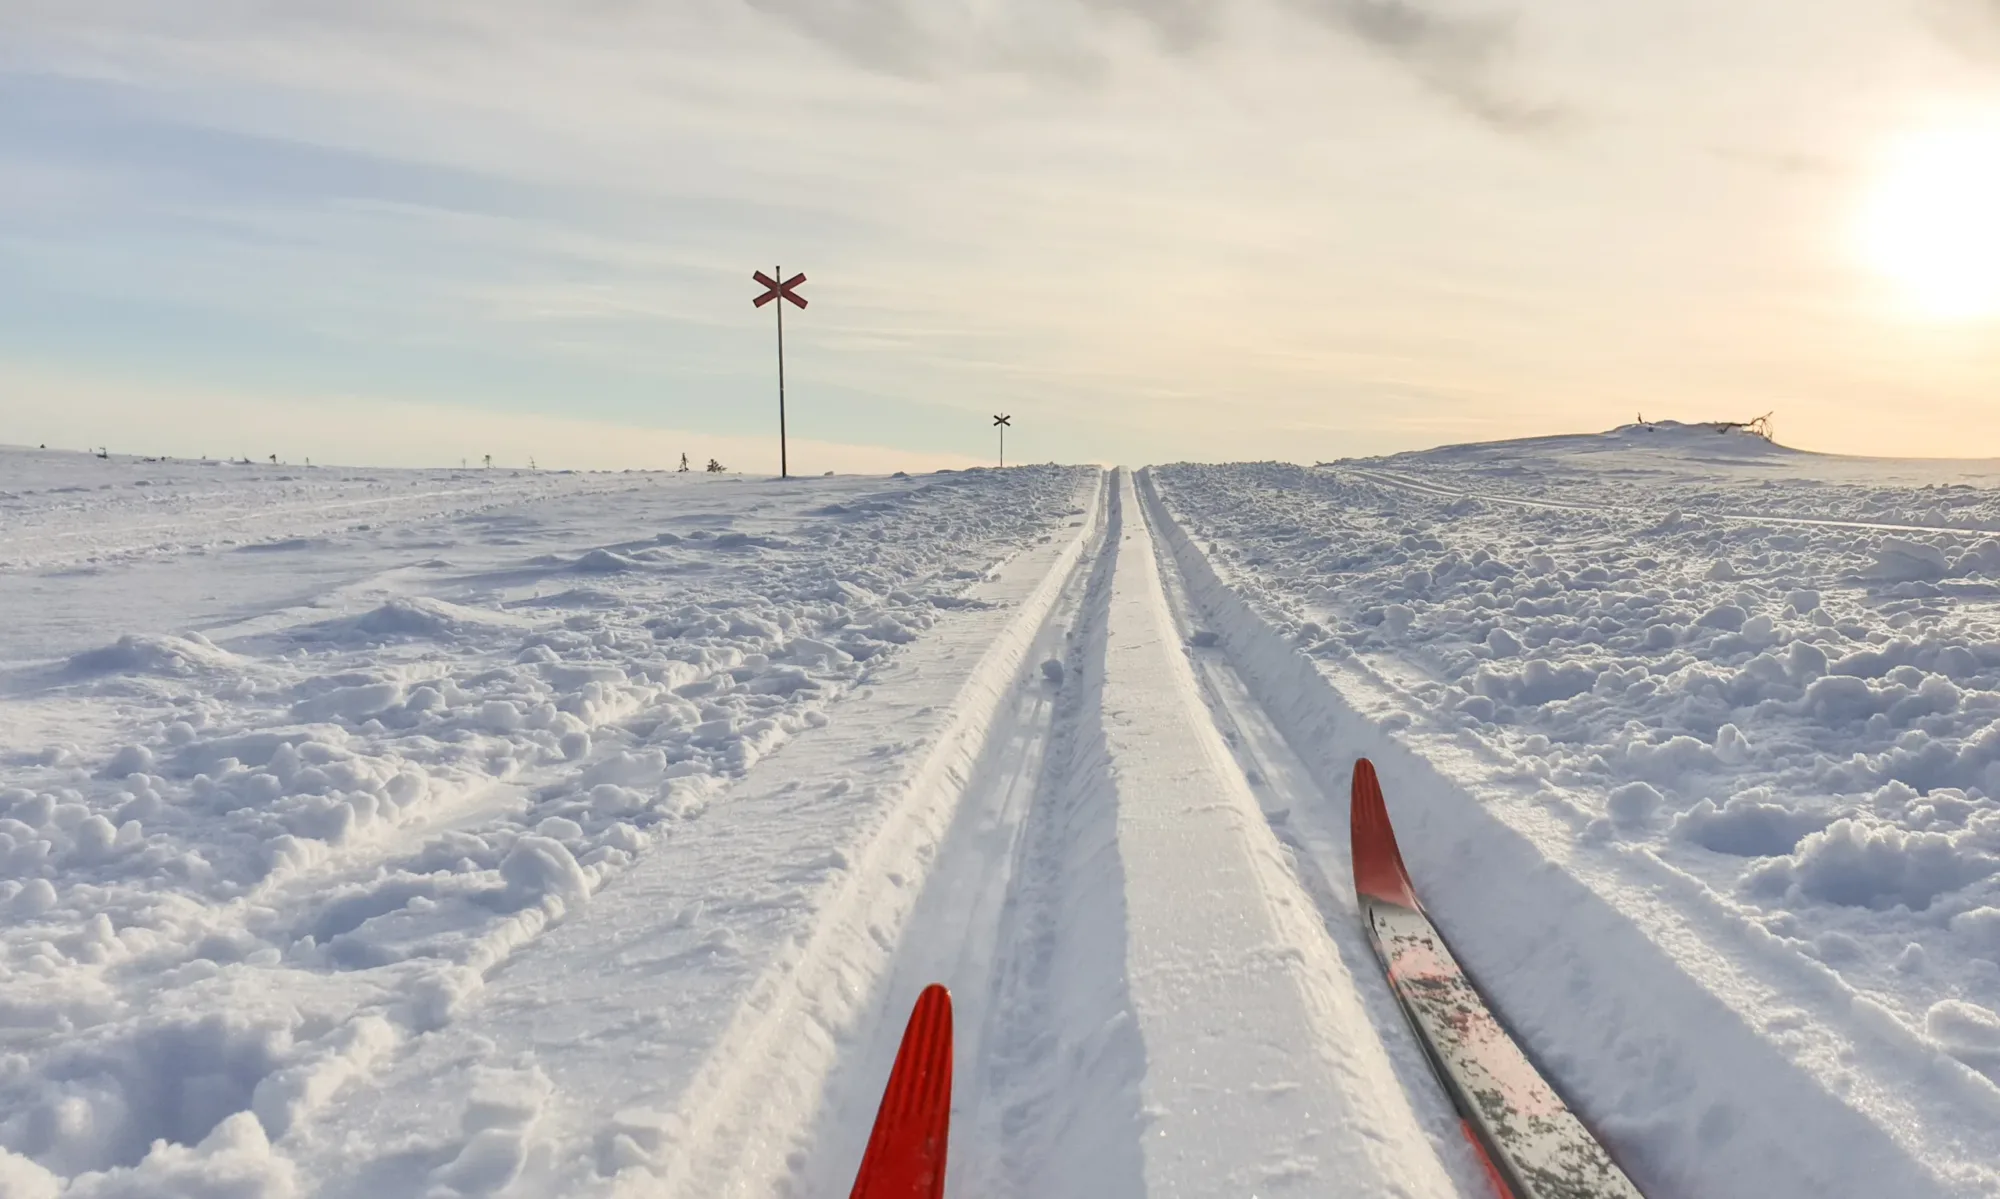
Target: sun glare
1933	223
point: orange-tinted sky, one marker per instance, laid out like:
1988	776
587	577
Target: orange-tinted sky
1150	229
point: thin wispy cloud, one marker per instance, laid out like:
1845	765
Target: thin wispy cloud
1458	57
1969	27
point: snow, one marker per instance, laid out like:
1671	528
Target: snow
374	832
1305	1090
1765	682
262	831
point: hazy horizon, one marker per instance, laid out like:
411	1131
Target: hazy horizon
1151	230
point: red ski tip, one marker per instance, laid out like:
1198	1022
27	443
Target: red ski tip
1378	864
906	1152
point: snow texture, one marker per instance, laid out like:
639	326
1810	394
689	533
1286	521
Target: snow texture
263	826
455	833
1765	681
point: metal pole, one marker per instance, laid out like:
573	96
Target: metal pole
1003	447
784	467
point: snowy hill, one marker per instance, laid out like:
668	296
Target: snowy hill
434	833
1667	438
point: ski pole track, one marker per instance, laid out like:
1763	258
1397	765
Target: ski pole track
1742	1068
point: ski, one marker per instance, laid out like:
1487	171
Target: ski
1532	1145
906	1151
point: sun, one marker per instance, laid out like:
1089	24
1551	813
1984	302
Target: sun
1932	224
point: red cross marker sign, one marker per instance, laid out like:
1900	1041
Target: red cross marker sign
778	290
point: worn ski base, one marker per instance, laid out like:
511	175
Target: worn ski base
906	1151
1534	1147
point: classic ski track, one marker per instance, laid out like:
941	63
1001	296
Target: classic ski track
1852	1056
1258	1063
779	1044
757	1085
1445	491
1012	843
965	928
1309	823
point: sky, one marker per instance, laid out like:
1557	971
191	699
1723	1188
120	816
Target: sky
1149	230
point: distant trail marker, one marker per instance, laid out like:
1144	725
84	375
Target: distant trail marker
775	290
1002	421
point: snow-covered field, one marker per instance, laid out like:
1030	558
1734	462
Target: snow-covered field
490	833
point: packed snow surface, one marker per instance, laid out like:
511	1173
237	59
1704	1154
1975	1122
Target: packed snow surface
451	833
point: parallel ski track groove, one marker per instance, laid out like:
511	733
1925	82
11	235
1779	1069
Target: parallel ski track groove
1306	821
966	925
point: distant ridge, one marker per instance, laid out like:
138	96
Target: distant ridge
1706	439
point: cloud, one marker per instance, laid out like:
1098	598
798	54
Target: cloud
930	39
1787	162
1182	26
1454	56
881	35
1970	27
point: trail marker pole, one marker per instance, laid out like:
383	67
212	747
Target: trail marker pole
775	290
1002	421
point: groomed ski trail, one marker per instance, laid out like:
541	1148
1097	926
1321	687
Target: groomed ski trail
1151	1002
969	910
1257	1066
